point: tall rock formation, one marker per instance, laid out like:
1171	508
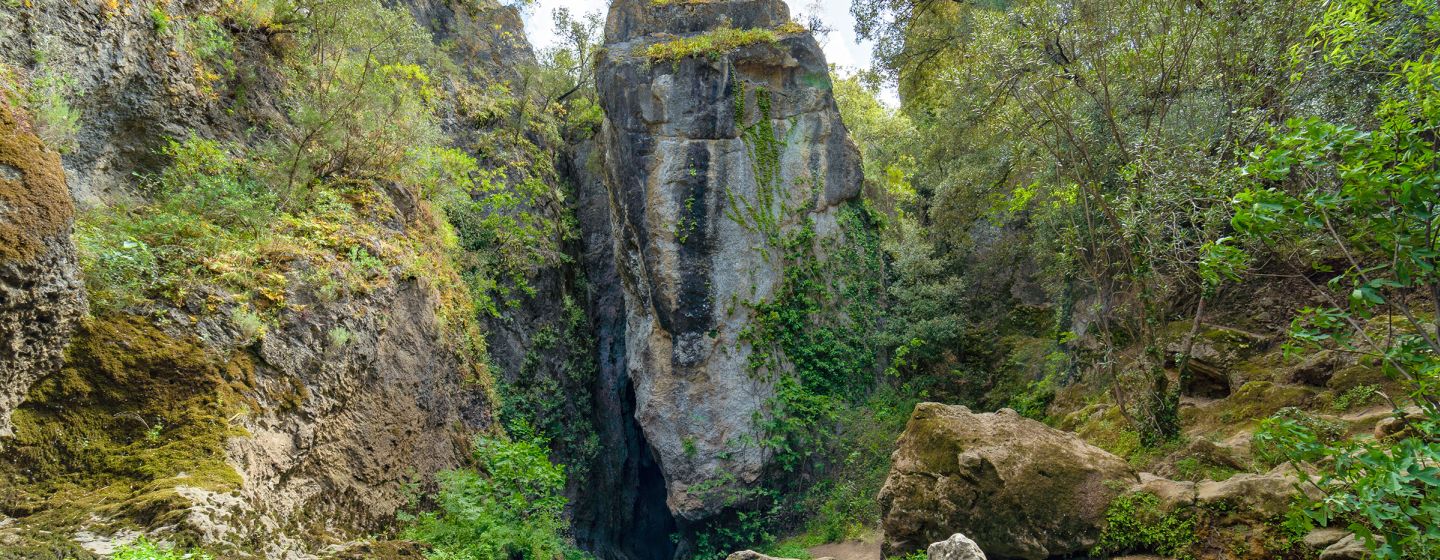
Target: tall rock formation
721	138
41	298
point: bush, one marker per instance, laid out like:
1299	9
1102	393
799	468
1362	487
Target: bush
143	549
511	507
1134	523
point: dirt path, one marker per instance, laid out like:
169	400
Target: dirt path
848	550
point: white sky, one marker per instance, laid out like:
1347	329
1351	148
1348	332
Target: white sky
841	46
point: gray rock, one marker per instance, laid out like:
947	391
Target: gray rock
1322	538
691	257
41	295
752	555
1250	496
1348	548
957	547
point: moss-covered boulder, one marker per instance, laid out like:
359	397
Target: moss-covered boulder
1019	488
40	293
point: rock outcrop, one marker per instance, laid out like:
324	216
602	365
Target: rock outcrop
41	297
711	158
1019	488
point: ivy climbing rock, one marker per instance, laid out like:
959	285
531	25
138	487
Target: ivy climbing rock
41	296
722	141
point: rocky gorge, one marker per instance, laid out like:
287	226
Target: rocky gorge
345	279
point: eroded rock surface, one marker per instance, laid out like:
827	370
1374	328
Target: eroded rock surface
957	547
41	296
710	159
1019	488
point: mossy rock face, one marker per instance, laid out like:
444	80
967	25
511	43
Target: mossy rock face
33	194
41	298
1017	487
134	415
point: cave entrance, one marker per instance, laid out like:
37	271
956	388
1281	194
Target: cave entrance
653	526
626	516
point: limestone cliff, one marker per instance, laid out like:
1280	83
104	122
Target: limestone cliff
721	137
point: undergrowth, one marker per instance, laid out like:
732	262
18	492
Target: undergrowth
1135	523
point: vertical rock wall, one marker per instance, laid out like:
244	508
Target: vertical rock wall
41	298
709	161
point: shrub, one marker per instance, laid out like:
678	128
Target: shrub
1269	445
717	42
1134	523
511	507
1359	395
48	99
143	549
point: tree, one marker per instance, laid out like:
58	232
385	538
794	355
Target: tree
1370	195
1106	129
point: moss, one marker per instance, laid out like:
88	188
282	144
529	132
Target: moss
134	414
717	42
32	190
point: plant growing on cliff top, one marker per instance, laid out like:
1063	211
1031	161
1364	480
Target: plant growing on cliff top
717	42
510	507
1372	197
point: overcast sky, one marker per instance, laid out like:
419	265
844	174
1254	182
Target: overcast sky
841	47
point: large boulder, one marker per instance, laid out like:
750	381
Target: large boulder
41	296
1019	488
711	160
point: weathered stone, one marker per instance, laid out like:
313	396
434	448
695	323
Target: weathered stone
1019	488
1322	538
957	547
1397	424
697	205
1348	548
1250	496
41	296
1173	494
751	555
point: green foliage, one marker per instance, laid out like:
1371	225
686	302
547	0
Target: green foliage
510	507
1047	148
206	219
143	549
1368	196
1359	395
358	96
818	327
48	98
1384	492
1135	523
1035	400
1268	446
556	370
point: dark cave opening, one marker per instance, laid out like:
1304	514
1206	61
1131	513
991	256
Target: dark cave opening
653	526
626	514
